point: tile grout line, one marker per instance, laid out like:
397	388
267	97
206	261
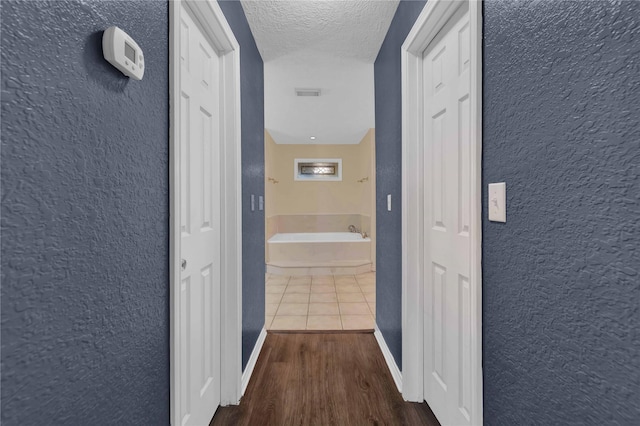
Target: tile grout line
308	303
280	301
362	292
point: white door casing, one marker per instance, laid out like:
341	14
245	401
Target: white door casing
198	312
447	240
442	296
205	246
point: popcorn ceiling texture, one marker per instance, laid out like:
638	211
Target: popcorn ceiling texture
351	29
85	213
561	281
330	45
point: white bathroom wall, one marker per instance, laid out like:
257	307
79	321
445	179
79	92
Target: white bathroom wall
342	114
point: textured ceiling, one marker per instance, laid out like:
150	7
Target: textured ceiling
351	29
326	44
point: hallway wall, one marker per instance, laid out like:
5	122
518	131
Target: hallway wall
388	137
562	276
84	171
561	285
252	105
85	217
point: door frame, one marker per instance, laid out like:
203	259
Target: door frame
215	27
431	21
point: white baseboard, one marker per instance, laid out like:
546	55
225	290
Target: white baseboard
391	363
248	371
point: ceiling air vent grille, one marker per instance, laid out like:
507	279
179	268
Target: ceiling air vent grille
307	92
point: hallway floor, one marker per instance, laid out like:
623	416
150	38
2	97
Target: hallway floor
326	302
322	379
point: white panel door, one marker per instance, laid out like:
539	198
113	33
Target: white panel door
447	204
199	293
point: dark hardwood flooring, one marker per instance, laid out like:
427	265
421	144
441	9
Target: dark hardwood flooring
322	379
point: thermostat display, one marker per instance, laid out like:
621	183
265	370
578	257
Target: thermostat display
123	53
129	52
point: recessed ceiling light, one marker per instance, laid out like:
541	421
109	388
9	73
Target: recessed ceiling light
313	138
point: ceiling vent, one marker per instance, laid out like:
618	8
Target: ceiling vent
307	92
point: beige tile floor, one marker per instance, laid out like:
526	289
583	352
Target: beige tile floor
327	302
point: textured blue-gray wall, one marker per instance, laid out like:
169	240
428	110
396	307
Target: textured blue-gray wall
388	104
561	278
252	99
85	213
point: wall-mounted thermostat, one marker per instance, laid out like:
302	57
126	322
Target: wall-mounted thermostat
123	53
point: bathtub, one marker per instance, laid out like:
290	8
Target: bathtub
318	253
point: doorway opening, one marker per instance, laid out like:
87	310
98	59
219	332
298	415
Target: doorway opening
320	235
205	225
320	176
441	219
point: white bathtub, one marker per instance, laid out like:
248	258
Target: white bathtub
318	253
315	237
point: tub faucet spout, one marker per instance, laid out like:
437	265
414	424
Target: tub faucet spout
352	228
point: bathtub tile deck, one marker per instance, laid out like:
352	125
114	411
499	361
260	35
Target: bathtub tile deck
327	302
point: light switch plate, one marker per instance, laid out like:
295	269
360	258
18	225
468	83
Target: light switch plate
498	202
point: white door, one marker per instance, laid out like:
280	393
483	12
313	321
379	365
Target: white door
198	298
448	321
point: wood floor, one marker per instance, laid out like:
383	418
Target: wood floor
339	378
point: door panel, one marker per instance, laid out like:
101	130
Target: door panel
199	314
447	97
